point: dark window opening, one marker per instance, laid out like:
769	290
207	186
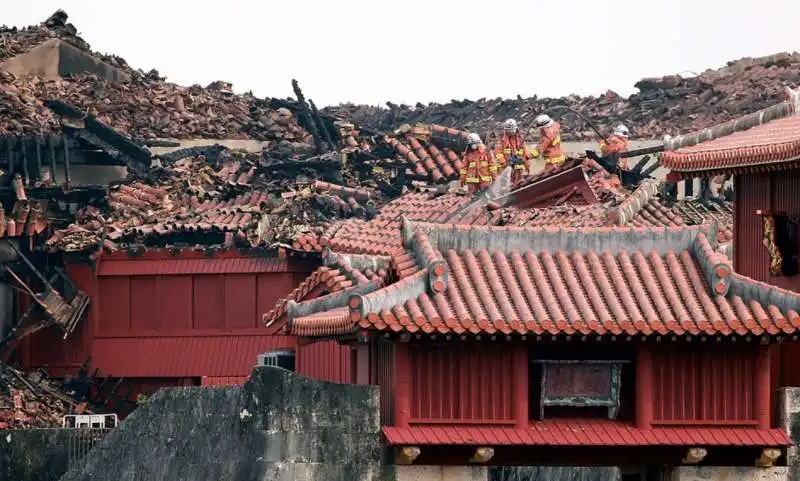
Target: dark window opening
571	381
786	242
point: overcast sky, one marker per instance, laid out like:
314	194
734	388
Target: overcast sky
371	51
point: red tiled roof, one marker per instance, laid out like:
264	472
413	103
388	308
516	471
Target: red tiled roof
226	355
600	281
334	278
766	137
584	433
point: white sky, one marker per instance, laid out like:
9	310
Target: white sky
371	51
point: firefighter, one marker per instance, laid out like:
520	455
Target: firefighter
616	143
511	151
480	169
549	142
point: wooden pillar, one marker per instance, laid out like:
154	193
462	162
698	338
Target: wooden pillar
644	387
402	385
361	376
763	387
519	387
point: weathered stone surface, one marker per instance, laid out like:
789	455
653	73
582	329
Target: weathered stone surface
42	454
714	473
279	426
789	419
440	473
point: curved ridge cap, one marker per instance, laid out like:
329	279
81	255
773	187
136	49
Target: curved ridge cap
626	210
360	262
330	301
582	239
389	296
766	294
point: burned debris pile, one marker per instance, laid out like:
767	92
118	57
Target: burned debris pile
232	199
668	105
30	400
149	109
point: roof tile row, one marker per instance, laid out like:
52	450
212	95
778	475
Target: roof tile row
584	433
568	281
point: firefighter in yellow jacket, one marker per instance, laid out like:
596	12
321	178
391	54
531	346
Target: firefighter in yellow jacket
479	169
511	151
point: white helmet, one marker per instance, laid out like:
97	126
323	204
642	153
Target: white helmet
621	131
474	139
510	125
543	120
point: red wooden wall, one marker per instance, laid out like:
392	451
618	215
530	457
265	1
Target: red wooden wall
381	373
457	382
196	304
703	386
775	192
325	361
188	301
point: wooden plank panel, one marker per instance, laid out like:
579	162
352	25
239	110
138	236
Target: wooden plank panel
209	302
115	310
175	301
240	301
144	303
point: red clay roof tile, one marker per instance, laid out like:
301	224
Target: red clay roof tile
769	136
616	281
584	432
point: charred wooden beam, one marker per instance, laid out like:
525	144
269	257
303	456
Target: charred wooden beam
65	152
51	144
305	118
644	151
326	135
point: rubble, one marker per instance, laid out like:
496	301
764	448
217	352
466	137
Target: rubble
148	109
234	200
668	105
29	400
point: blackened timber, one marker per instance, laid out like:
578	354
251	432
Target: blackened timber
644	151
38	150
65	110
637	169
321	126
67	175
305	119
649	170
23	149
10	154
51	143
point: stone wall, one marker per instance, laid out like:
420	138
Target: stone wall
43	454
788	407
279	426
716	473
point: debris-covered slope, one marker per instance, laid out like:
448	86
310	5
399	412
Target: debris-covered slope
146	107
667	105
232	200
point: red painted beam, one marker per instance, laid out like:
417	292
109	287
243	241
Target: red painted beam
402	386
763	384
520	386
644	388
